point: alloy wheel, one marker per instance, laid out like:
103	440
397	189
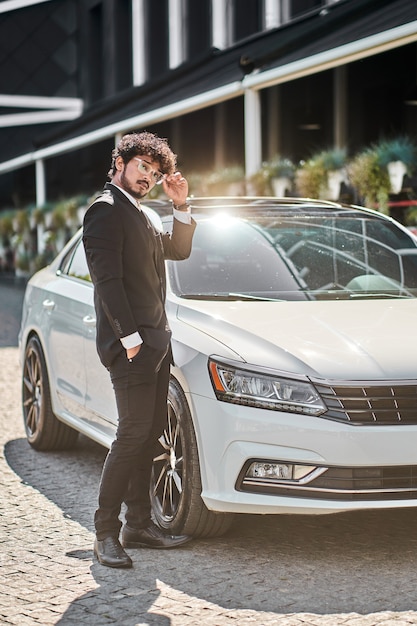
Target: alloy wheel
168	468
32	391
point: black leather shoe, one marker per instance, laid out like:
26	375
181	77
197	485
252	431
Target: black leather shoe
151	537
109	552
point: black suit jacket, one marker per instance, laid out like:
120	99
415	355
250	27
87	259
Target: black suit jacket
125	256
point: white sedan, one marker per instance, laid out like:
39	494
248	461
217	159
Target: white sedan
294	384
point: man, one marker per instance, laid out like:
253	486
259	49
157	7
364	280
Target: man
125	255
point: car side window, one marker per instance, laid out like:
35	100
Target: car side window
77	266
64	265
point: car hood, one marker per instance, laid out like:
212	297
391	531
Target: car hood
352	340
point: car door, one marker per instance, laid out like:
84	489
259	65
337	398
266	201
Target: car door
99	411
68	300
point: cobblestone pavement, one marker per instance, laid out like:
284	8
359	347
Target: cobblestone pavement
351	570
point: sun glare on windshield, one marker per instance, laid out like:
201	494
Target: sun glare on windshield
223	221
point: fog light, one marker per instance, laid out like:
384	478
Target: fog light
278	471
269	470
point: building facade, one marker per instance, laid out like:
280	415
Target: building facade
226	81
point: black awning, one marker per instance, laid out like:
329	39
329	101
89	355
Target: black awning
330	28
338	24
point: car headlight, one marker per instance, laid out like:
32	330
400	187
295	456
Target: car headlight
233	383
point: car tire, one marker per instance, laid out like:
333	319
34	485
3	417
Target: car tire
177	505
43	430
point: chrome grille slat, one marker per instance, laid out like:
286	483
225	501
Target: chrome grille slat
367	403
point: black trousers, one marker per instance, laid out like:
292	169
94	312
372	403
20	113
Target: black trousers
141	397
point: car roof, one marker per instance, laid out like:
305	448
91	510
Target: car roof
241	201
249	204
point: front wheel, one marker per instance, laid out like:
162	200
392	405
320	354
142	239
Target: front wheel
43	430
176	481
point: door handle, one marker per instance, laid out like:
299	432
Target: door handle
89	320
49	305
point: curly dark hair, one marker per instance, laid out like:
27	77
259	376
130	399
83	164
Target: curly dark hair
148	144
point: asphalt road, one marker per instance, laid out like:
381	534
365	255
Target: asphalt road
351	569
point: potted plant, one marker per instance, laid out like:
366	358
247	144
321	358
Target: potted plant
281	175
21	221
310	178
274	177
6	225
71	212
259	183
370	178
330	166
322	175
334	163
38	216
58	218
399	157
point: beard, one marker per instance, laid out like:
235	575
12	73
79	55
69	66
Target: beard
127	186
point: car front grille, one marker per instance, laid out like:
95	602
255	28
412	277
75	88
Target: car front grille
368	404
343	484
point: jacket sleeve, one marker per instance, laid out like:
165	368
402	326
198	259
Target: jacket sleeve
177	245
103	243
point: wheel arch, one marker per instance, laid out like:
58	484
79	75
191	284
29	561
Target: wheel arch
44	428
31	333
191	515
181	381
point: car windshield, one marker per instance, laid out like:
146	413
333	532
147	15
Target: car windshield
304	253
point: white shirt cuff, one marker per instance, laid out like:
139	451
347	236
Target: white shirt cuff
131	341
183	216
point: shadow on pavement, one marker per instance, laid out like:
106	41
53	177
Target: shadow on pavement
361	562
68	478
117	600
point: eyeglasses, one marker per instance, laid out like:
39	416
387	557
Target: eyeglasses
145	168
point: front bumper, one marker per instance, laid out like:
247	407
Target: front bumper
369	467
